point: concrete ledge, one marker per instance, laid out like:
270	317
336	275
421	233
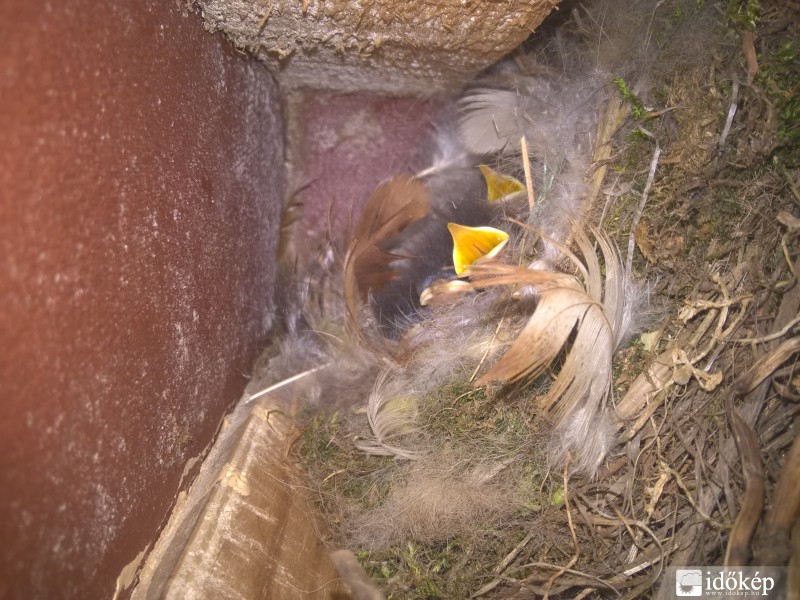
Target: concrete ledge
247	528
414	47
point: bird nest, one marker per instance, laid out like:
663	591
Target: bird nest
454	481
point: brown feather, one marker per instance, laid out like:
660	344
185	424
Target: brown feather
393	206
593	309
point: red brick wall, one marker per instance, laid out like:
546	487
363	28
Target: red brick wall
140	185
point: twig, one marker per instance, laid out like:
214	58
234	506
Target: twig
265	18
786	256
332	475
637	538
767	364
609	123
287	381
502	567
544	565
749	50
679	480
526	165
488	348
575	556
488	587
641	565
772	336
789	182
731	112
513	554
609	199
648	33
651	176
687	539
738	551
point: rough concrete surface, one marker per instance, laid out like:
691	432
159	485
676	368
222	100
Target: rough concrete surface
342	146
141	177
414	47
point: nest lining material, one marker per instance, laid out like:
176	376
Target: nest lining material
700	470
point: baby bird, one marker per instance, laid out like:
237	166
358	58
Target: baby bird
423	252
460	239
439	261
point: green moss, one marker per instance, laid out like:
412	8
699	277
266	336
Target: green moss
744	13
779	75
420	571
316	441
508	422
637	108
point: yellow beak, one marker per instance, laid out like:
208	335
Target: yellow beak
471	244
499	186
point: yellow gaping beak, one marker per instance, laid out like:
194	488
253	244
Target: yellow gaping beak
499	186
471	244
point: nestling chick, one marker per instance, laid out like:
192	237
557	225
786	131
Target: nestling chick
580	319
448	239
423	252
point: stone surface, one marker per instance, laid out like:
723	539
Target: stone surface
342	146
141	178
414	47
